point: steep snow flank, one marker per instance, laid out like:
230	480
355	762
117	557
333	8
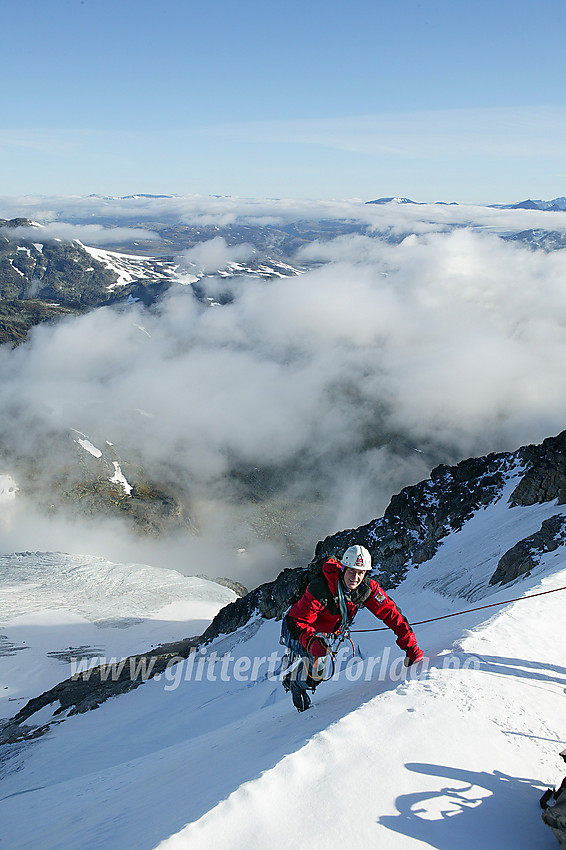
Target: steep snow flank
453	754
454	760
452	757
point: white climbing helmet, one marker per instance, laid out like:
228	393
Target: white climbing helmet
356	558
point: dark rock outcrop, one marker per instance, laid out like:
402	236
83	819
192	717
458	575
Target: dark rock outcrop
268	600
419	517
545	473
89	689
408	534
238	588
525	555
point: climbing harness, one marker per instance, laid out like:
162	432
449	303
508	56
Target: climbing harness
343	632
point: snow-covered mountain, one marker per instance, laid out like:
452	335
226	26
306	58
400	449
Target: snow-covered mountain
129	268
211	753
392	201
555	205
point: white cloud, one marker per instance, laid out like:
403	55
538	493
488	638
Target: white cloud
89	234
215	255
223	210
451	343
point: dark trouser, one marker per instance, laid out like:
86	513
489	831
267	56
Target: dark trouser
310	671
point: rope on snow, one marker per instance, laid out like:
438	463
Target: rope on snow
468	611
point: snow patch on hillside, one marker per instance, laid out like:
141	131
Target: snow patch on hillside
88	447
131	267
120	478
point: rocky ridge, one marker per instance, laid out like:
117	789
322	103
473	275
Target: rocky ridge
413	526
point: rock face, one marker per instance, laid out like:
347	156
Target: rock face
545	473
54	271
89	689
419	517
525	554
238	588
408	535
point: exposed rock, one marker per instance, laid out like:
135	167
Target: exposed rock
238	588
408	534
58	271
419	517
525	555
545	475
17	317
269	600
87	690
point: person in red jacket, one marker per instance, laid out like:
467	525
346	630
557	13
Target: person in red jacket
328	605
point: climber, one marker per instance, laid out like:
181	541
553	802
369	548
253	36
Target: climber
329	605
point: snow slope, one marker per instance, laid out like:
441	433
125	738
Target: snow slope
55	607
132	267
453	754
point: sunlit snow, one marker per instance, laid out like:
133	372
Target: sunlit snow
120	478
452	754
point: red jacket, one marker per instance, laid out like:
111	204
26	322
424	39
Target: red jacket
317	609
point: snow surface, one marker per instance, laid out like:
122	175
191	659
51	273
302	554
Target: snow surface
88	447
451	755
130	267
120	478
55	607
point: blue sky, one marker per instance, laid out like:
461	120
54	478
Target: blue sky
438	100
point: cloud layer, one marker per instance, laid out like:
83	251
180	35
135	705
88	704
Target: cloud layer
224	210
90	234
333	389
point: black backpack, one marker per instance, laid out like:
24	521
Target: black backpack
554	814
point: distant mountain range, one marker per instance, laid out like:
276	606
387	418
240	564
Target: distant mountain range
42	279
556	205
